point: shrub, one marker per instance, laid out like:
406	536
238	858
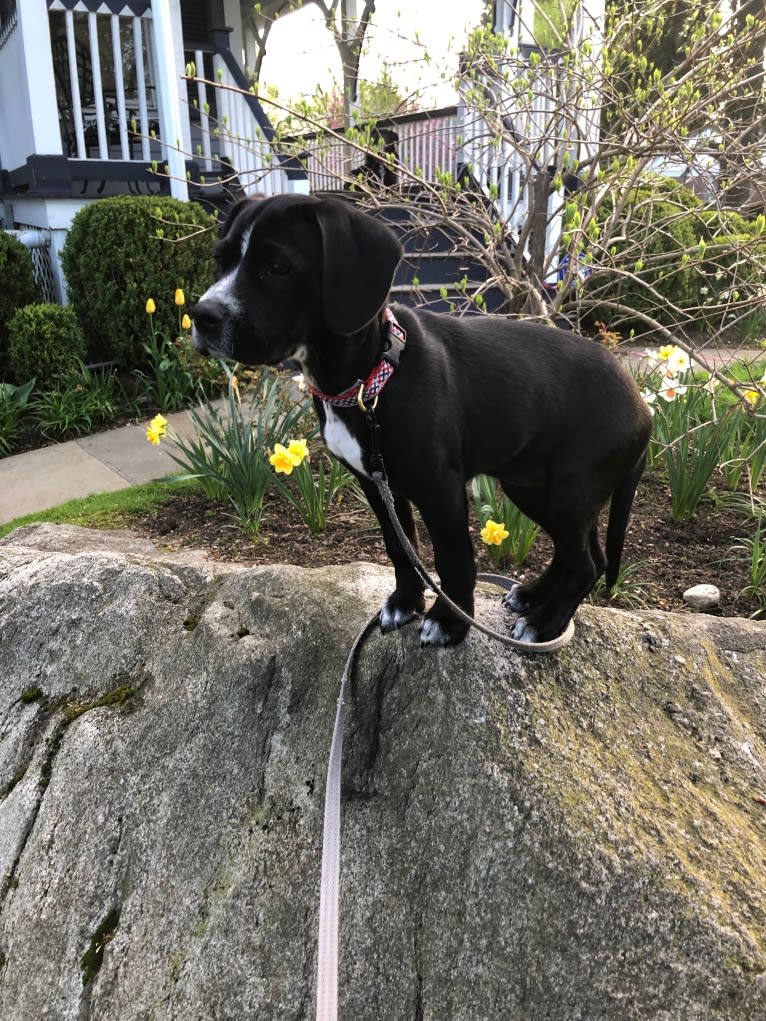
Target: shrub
121	251
658	230
18	288
732	265
43	341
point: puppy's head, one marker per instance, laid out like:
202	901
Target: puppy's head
290	270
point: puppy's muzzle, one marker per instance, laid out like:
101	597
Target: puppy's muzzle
209	318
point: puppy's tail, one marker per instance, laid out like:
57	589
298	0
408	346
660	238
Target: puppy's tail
619	516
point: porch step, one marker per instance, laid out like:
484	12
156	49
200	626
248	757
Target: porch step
436	271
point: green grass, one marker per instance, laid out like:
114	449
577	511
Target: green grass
104	510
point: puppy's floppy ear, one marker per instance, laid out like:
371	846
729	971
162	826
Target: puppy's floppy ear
234	210
360	256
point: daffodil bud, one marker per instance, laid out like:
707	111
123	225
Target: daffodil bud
151	308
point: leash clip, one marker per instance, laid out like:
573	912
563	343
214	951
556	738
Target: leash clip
366	408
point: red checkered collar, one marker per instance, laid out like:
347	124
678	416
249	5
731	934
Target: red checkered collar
366	391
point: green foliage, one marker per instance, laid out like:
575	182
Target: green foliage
13	400
691	442
654	233
169	380
312	494
79	403
228	454
752	550
626	591
743	450
18	288
174	375
731	269
120	252
44	341
491	504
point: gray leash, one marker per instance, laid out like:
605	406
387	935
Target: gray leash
327	957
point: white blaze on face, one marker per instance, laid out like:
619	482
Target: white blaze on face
223	291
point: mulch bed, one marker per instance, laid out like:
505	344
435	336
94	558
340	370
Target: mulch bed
671	555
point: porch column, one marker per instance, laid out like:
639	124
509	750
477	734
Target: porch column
166	16
40	85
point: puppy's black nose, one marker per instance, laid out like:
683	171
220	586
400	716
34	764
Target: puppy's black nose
208	315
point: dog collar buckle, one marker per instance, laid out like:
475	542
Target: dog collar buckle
396	337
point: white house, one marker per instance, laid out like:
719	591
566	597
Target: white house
95	99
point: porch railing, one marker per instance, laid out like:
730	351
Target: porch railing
105	69
425	145
232	139
105	82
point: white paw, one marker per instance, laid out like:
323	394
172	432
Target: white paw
432	632
392	618
512	602
524	632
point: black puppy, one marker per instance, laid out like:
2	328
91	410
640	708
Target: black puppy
552	415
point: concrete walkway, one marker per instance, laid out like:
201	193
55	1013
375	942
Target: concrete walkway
101	463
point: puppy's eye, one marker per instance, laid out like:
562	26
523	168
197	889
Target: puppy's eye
277	268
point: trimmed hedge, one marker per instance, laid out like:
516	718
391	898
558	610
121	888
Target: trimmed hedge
121	251
44	341
18	288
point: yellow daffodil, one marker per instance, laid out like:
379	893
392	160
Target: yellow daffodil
281	460
752	397
156	429
186	322
284	459
298	450
494	534
151	308
666	351
180	299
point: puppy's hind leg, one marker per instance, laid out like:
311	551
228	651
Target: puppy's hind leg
407	598
523	598
577	563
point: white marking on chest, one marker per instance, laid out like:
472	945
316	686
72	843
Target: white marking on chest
340	442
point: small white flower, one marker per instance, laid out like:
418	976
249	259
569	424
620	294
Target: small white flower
678	361
671	388
650	397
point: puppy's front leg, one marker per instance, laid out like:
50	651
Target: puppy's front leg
445	513
407	598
